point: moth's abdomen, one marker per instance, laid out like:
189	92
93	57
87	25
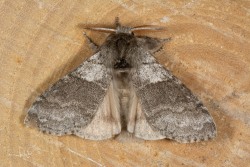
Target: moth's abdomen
123	90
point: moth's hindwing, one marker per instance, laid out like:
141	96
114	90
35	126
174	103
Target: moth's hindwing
77	104
169	106
138	124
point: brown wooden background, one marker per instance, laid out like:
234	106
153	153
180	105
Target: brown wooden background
41	41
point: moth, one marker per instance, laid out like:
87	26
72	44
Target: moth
122	87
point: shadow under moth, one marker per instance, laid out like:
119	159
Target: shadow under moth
122	86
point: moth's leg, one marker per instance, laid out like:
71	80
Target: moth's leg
161	42
92	44
152	44
166	39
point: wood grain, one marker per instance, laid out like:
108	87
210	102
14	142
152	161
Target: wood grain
41	41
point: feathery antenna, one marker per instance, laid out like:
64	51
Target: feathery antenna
123	29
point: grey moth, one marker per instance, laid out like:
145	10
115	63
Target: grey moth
122	87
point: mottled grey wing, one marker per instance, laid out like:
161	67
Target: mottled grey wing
169	106
70	105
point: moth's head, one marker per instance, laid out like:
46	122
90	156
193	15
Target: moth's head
125	30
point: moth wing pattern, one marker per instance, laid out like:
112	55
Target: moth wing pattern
122	86
141	127
77	104
169	106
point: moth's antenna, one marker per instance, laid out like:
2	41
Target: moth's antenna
123	29
117	24
101	29
148	28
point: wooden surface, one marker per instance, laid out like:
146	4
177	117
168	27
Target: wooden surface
41	41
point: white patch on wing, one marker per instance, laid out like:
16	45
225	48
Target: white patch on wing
91	70
153	73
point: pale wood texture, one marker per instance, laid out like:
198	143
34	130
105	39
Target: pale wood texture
41	41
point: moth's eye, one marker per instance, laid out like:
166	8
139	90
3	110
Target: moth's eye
132	33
